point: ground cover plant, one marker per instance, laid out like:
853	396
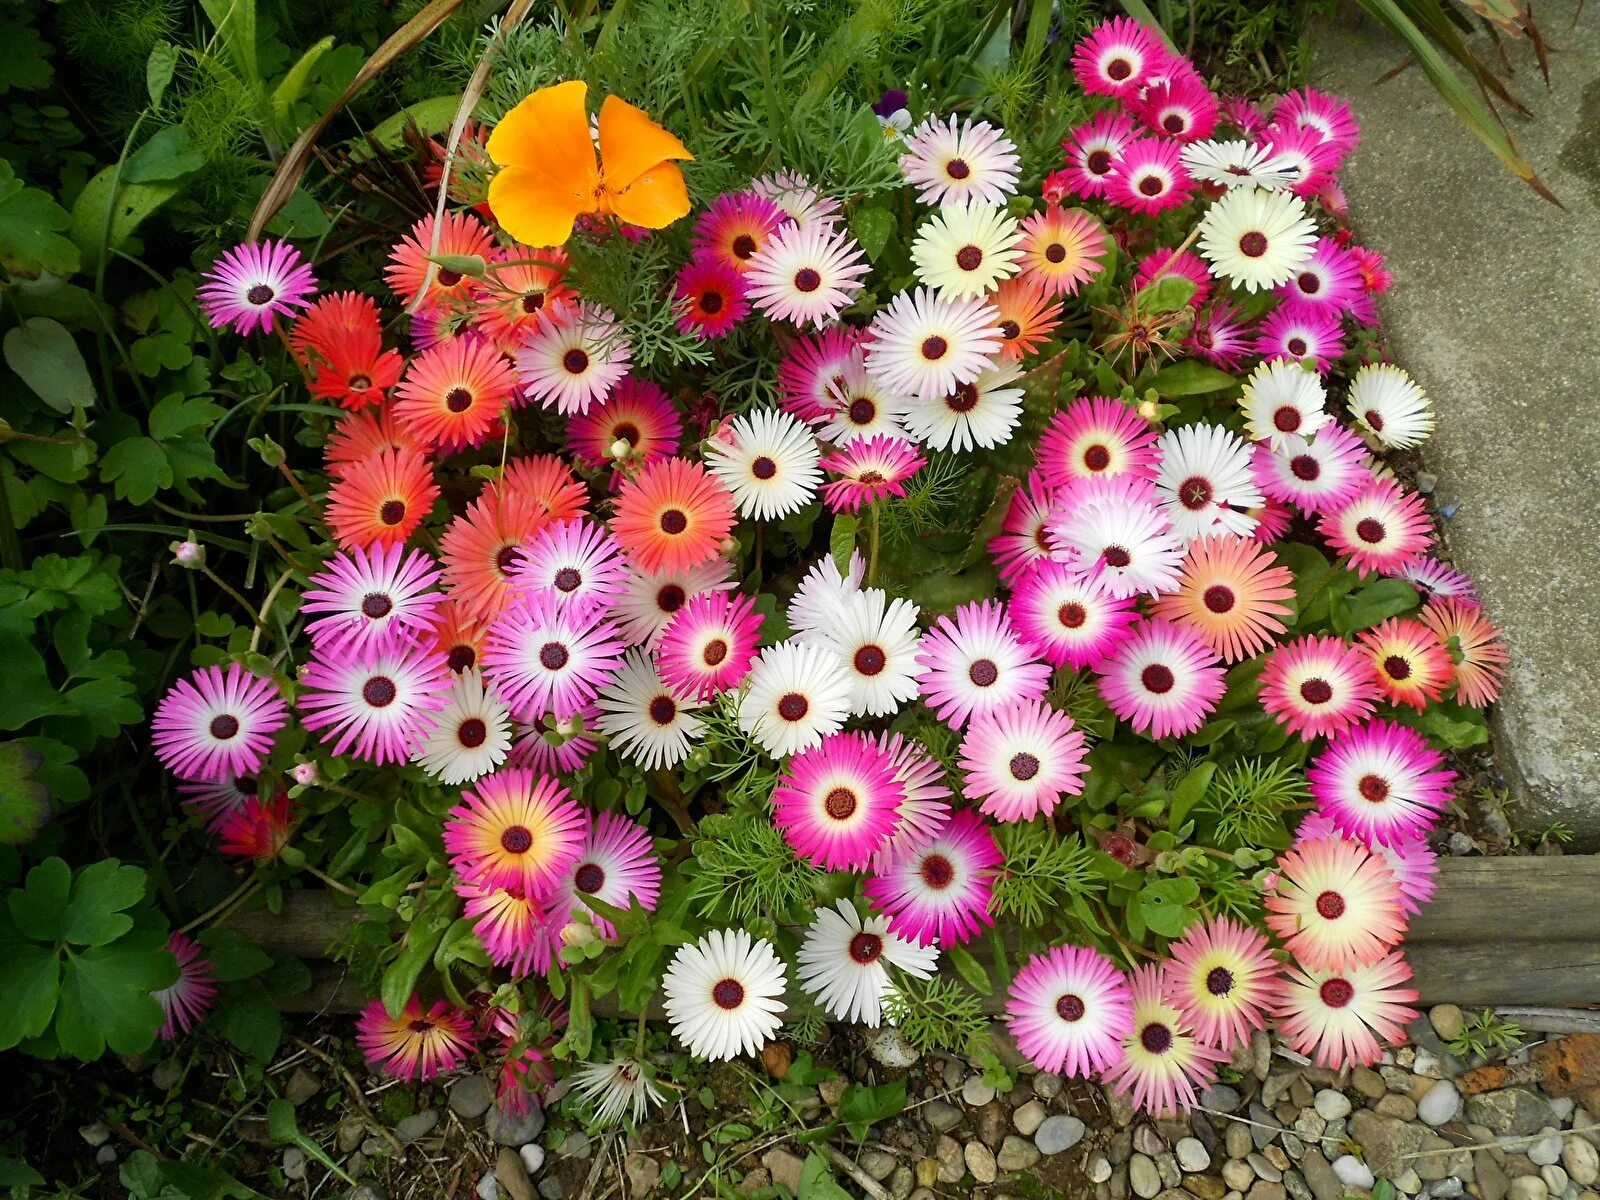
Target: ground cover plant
827	538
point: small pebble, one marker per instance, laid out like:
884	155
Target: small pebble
417	1125
294	1163
1582	1161
1047	1086
1554	1178
1332	1105
1191	1154
106	1155
488	1187
1546	1150
1058	1134
1439	1104
976	1091
1029	1117
97	1134
1352	1172
980	1161
1099	1169
1528	1187
532	1156
1143	1177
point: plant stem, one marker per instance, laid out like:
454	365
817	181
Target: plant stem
234	898
874	531
328	880
255	617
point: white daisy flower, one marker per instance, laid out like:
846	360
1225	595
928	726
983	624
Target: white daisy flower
768	460
651	598
620	1087
875	640
806	275
574	358
724	994
1205	481
1281	400
822	591
795	697
863	407
473	735
1238	164
1128	546
1387	404
984	413
927	345
950	161
966	250
842	963
646	721
1256	238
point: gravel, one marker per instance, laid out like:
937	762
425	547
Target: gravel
1439	1104
1058	1134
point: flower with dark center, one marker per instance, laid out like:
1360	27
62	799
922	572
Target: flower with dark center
379	691
1373	788
674	521
1219	981
575	361
1119	69
458	400
1316	691
589	878
983	672
376	605
1116	556
472	733
224	726
1330	906
1287	418
1072	615
1097	457
1071	1008
870	660
714	652
807	279
506	558
460	658
1157	1039
866	948
1024	766
938	872
663	710
840	803
1157	679
1098	162
728	994
1397	667
862	410
792	706
964	399
934	348
1336	993
1195	493
671	597
517	839
1219	598
1370	530
260	294
392	512
1303	466
957	168
711	302
568	579
763	468
969	258
1253	244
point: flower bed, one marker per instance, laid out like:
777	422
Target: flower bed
900	554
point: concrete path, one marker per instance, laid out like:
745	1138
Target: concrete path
1496	312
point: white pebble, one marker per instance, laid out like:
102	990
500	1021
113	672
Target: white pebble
1332	1105
976	1092
1546	1150
1352	1172
532	1158
488	1187
1582	1161
1192	1154
1439	1104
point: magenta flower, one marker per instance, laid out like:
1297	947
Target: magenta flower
186	999
379	706
252	285
1069	1009
940	891
217	724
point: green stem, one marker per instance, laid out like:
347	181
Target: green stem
255	617
10	544
874	534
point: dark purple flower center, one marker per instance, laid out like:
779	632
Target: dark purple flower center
1219	981
983	672
1330	906
589	878
553	656
1097	457
1316	691
670	598
1286	419
224	726
763	468
1119	69
934	348
1370	530
674	521
710	302
460	657
1253	244
807	279
1336	993
1098	162
792	706
1303	466
1071	1008
938	872
969	257
376	605
1024	766
517	839
1157	1039
1055	252
1397	666
1219	598
957	168
870	660
260	294
714	652
1195	493
663	710
568	579
625	431
1373	788
728	994
840	803
379	691
472	733
866	948
392	512
743	246
964	399
1116	556
458	400
1157	678
1072	615
862	411
575	361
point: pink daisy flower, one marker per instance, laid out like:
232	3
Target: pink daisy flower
976	663
1381	528
1150	177
1300	331
711	297
1168	262
1272	520
1316	474
812	370
379	706
577	563
1094	151
1409	663
1163	1064
1096	437
515	830
1180	107
926	808
1317	686
838	802
418	1045
869	469
1344	1018
550	747
1069	1009
637	414
616	866
1241	113
217	724
1118	57
1219	336
1329	280
1415	866
1337	904
1381	783
807	276
708	645
573	359
1476	648
546	659
1022	760
1113	531
1328	116
186	999
940	890
650	598
1162	680
1436	580
371	596
518	932
1375	280
1301	153
1022	544
736	227
1223	979
252	285
1070	619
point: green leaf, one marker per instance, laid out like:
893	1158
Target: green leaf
873	225
44	354
24	799
970	969
30	225
158	71
1190	791
1191	377
105	996
817	1181
290	87
1373	604
101	893
1163	905
125	207
283	1127
842	541
429	116
1452	725
861	1107
39	905
1167	294
400	980
14	1173
236	25
249	1020
474	266
29	987
233	956
166	157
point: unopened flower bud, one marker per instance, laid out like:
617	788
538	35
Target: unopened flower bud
305	773
1149	410
189	554
621	449
577	935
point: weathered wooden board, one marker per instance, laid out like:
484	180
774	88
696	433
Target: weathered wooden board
1499	931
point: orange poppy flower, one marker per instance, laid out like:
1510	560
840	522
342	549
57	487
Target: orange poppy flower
550	175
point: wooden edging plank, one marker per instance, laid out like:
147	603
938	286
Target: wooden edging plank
1498	931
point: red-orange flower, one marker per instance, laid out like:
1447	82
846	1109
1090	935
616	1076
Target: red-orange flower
453	394
672	516
382	501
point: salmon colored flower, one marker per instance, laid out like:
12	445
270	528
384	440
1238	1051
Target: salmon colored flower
381	502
